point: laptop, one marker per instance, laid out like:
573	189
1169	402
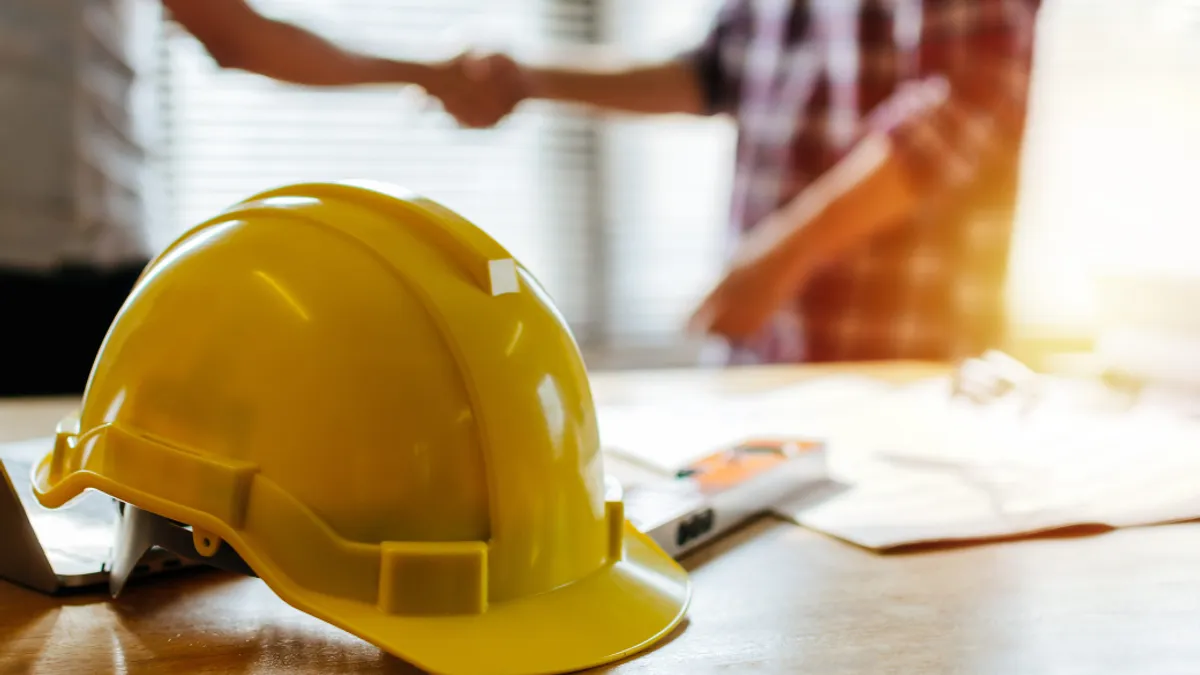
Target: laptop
57	550
96	541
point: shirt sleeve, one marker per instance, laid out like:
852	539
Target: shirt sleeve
711	59
970	105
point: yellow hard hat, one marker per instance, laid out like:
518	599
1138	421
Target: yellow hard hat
387	419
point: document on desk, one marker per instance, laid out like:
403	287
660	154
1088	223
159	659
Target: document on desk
923	467
670	434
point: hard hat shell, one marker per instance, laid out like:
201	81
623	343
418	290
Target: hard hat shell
386	417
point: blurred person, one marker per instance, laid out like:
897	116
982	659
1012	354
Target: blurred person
875	169
59	293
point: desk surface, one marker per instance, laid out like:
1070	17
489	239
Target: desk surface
769	598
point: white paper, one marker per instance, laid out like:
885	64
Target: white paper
926	469
669	434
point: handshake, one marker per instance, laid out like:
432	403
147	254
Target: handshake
478	89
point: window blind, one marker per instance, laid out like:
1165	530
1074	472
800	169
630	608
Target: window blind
528	182
668	181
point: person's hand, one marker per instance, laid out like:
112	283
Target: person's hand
478	90
763	276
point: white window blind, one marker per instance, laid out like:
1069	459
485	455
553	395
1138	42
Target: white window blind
228	134
668	183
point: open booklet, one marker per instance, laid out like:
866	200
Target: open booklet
706	498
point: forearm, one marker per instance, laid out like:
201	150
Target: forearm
238	37
291	54
863	195
597	80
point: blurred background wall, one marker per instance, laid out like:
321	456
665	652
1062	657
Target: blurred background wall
1107	253
67	69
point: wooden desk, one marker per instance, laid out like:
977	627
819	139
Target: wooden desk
771	598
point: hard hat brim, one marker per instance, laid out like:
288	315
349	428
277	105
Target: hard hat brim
621	610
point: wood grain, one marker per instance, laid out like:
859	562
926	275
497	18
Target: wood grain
770	598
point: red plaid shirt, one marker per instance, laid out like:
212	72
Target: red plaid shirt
947	81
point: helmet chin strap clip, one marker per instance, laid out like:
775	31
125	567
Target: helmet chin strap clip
138	531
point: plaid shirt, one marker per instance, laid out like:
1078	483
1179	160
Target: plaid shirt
946	80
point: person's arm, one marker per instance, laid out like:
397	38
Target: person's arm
863	193
923	143
867	189
238	37
596	80
695	82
